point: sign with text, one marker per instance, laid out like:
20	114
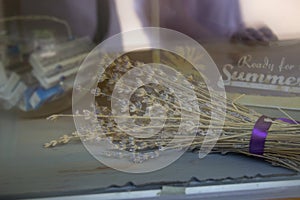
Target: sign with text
275	72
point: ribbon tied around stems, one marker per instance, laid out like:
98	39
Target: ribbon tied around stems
260	133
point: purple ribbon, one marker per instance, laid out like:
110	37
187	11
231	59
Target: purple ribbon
289	121
259	135
260	132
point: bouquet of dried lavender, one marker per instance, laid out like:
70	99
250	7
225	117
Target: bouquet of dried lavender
243	130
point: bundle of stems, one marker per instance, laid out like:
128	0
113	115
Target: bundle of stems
281	148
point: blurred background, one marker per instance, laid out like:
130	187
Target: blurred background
34	32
